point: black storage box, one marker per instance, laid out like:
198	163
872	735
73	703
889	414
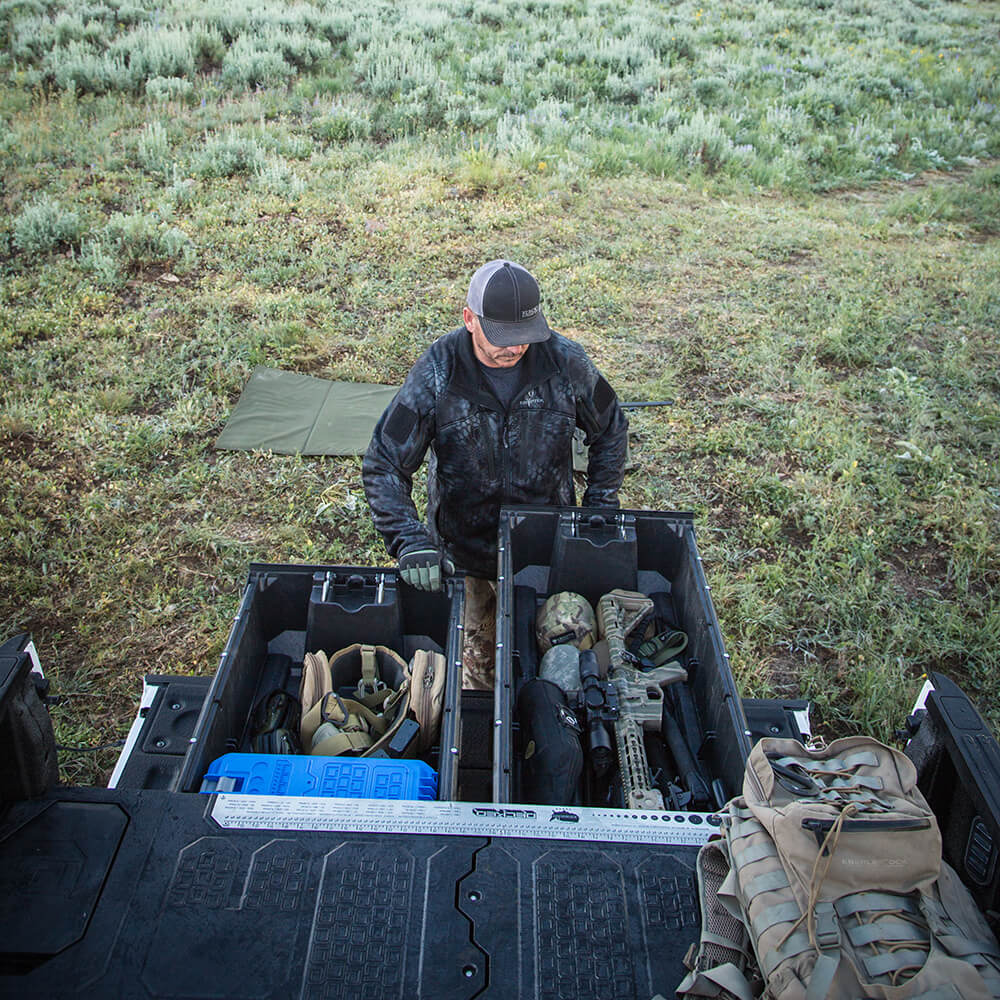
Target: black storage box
288	610
543	550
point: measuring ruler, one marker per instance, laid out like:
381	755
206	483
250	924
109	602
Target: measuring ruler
462	819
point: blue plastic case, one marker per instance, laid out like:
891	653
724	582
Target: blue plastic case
329	777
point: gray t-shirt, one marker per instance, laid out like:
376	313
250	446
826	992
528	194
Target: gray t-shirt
506	383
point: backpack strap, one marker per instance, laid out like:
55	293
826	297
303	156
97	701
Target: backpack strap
344	726
825	936
833	765
371	690
724	950
722	982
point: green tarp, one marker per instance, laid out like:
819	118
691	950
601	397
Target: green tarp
289	413
293	414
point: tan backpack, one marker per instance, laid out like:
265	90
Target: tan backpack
829	885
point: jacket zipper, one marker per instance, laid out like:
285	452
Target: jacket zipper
505	458
487	445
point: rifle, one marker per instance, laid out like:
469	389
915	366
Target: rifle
640	705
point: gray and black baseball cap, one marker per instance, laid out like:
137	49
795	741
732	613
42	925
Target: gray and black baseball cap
505	297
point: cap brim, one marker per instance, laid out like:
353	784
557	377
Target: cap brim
528	331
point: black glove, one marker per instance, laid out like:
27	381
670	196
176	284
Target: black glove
424	568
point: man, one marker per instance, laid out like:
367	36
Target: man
496	401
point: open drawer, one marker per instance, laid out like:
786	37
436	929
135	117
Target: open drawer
547	550
290	610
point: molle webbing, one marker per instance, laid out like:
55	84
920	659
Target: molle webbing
838	883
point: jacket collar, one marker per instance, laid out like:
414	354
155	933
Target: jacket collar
467	380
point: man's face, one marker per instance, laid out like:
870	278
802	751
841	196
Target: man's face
486	353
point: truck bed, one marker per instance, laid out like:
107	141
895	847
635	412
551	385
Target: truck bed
117	893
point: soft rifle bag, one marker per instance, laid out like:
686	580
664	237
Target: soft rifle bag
551	747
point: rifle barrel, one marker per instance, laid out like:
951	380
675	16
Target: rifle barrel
639	406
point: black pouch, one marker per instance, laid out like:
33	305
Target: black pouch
274	723
551	751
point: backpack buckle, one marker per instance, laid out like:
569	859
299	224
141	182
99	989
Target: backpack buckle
370	683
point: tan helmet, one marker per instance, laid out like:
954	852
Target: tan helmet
565	617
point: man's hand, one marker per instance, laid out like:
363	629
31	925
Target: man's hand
424	568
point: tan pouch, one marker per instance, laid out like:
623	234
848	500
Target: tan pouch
427	677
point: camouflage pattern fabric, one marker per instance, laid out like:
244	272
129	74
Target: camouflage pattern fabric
565	617
561	666
479	628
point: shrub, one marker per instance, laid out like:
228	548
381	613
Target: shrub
711	90
278	178
140	240
680	44
78	67
209	46
33	37
516	139
630	88
297	47
45	225
390	66
169	88
286	142
153	149
229	154
341	124
787	123
150	52
487	67
248	64
180	190
98	258
335	28
702	142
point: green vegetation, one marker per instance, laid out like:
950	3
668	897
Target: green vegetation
784	216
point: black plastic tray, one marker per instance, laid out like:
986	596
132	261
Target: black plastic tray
548	549
268	641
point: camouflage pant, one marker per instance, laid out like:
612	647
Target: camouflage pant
479	629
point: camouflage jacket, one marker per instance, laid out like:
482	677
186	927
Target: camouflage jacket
482	457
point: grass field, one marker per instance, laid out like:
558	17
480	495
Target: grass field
783	216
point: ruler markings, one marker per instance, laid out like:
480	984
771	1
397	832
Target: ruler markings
461	819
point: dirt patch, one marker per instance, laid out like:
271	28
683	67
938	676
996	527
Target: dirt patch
921	572
21	444
796	538
797	258
785	672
